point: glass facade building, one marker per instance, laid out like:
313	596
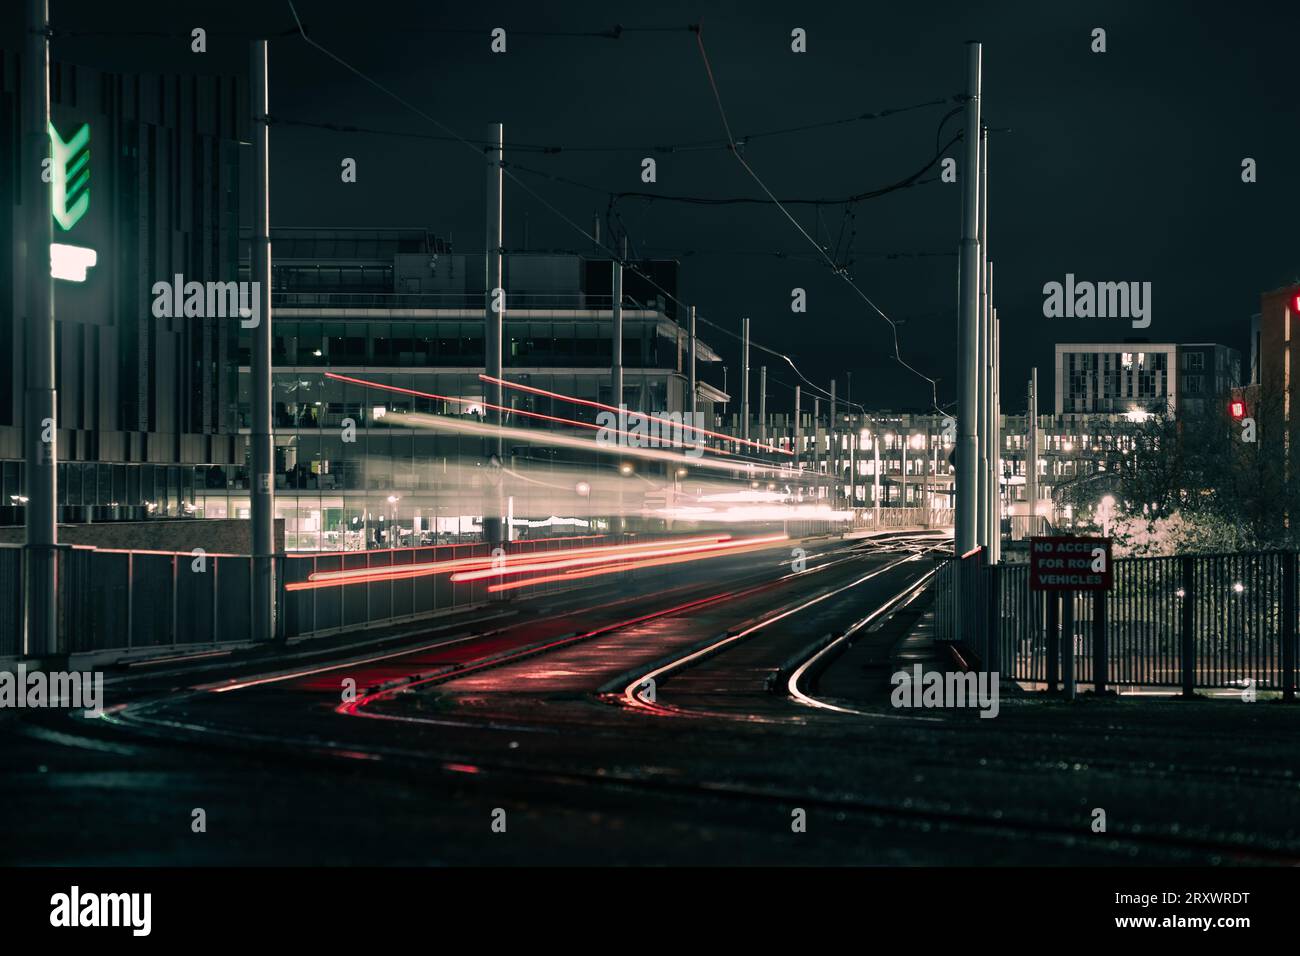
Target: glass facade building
373	326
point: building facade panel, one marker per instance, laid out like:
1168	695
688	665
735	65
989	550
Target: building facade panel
163	192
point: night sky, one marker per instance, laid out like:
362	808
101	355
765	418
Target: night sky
1117	166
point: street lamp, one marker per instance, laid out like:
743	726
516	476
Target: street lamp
392	521
1106	512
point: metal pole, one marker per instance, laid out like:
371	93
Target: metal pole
993	648
1067	644
494	320
616	334
817	442
995	512
987	436
875	477
691	383
1100	654
925	474
744	381
1288	625
982	520
935	448
835	450
966	527
967	453
40	516
1053	628
1187	656
130	599
902	474
798	430
1031	453
762	404
853	467
262	431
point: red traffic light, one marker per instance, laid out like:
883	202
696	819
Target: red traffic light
1237	409
1295	304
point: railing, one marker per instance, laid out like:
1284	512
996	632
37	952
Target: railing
902	518
312	609
1191	621
962	602
11	599
138	601
133	600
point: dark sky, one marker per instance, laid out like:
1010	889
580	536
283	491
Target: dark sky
1117	166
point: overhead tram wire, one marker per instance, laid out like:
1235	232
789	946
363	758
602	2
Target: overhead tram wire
56	33
551	149
668	295
616	32
907	182
837	270
726	331
453	136
548	205
801	256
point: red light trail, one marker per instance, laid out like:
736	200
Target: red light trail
610	408
322	579
551	564
512	411
730	547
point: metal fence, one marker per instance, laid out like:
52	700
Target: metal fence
1191	621
962	602
392	586
902	518
134	601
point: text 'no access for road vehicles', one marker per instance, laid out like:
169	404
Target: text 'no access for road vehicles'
1069	564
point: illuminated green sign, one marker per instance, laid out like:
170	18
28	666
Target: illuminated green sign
70	184
70	175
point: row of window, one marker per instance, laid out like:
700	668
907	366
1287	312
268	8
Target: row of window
417	345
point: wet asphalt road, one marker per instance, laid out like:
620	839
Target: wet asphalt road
561	741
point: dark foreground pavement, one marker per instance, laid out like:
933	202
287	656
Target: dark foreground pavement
558	754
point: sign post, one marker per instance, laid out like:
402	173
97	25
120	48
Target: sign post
1064	566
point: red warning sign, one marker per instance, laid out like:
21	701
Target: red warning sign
1070	564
